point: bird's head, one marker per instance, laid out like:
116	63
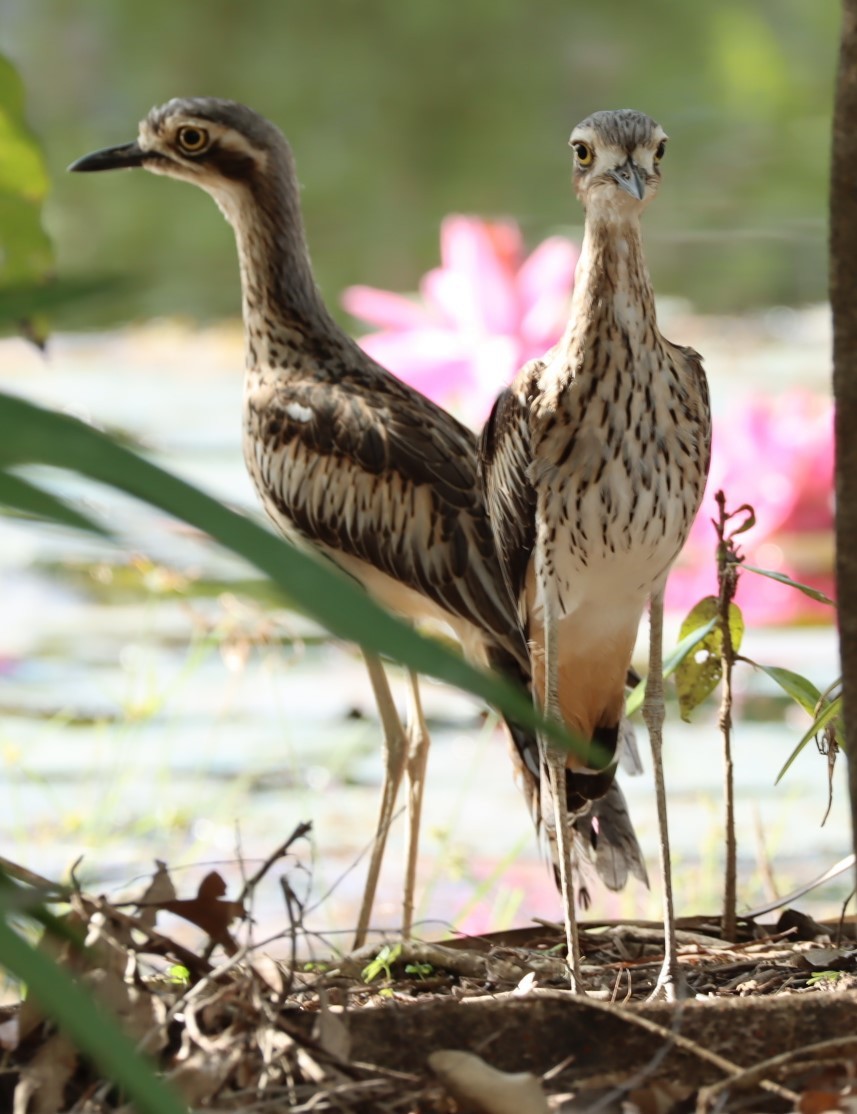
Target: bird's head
221	146
617	157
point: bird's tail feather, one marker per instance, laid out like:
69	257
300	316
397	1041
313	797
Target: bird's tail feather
604	834
603	831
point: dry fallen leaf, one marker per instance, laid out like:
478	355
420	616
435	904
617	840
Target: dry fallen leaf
208	912
469	1079
828	1102
331	1030
41	1086
159	890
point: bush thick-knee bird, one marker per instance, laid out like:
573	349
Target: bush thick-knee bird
594	463
346	458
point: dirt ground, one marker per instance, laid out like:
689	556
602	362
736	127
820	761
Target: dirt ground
477	1024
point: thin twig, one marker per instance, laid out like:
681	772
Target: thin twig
730	1068
303	829
750	1076
728	562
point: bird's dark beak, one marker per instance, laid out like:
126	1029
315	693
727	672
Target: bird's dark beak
112	158
630	178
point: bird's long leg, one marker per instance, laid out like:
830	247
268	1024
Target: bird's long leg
395	754
418	742
555	760
669	981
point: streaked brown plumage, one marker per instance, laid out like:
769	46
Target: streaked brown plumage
345	457
594	464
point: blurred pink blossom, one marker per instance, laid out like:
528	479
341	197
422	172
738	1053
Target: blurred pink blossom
775	453
489	308
483	313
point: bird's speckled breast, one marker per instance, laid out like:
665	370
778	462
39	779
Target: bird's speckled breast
622	446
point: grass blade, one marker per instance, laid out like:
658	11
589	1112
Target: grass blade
671	663
94	1032
828	712
813	593
30	434
799	688
28	499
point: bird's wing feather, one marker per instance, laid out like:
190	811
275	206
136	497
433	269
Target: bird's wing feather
370	469
509	496
702	402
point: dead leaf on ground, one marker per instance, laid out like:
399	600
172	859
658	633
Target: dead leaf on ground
208	912
469	1079
42	1083
159	890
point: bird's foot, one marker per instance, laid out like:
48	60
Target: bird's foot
671	985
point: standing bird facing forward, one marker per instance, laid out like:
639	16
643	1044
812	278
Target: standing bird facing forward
346	458
594	463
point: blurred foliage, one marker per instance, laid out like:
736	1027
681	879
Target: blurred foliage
25	250
29	291
401	113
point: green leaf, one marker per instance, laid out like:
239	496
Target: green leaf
801	690
813	593
382	963
94	1031
699	675
26	249
30	434
671	663
28	499
827	714
21	301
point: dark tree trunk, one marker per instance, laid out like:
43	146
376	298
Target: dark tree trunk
843	299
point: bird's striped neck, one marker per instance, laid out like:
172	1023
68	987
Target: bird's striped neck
282	307
612	284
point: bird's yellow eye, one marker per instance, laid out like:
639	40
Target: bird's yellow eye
661	148
192	139
583	152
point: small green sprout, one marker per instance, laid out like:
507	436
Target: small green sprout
822	976
382	963
421	970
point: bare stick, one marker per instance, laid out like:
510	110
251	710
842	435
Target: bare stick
727	579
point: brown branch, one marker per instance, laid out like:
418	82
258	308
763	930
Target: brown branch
843	282
727	582
811	1053
728	1067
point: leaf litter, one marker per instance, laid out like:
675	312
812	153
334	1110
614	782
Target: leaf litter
471	1024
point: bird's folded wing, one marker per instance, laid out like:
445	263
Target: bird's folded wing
509	496
372	470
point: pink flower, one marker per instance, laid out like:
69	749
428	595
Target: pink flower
775	453
482	314
489	308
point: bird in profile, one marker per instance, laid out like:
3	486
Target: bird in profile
594	464
351	462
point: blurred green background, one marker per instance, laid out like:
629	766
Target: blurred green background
400	112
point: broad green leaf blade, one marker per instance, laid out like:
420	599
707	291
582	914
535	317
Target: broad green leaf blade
30	434
93	1031
697	676
801	690
671	663
22	300
27	252
827	714
813	593
20	495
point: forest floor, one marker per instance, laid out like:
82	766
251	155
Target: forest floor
471	1024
